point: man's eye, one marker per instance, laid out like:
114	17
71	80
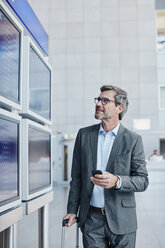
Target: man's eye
104	100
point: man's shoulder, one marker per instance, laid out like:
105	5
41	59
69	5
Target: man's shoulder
89	129
129	132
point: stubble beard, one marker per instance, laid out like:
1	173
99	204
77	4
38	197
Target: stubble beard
101	117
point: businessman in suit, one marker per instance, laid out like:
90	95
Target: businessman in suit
105	202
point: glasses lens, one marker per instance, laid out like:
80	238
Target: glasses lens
96	100
104	101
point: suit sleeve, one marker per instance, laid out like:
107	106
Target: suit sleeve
75	185
138	179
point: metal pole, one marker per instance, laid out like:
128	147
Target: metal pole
43	226
77	235
15	243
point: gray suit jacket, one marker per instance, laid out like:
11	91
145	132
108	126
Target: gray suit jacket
126	160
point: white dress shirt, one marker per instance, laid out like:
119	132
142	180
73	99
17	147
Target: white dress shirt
105	143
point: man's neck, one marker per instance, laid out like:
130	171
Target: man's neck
109	125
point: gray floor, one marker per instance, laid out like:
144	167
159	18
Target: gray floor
150	210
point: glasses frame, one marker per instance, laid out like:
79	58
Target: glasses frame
104	101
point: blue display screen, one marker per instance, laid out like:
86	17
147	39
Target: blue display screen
39	86
39	160
9	59
9	170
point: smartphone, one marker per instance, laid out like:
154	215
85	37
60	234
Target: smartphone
94	172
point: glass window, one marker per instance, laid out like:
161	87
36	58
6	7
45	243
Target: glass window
162	97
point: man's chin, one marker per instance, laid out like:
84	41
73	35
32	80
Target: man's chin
98	117
101	117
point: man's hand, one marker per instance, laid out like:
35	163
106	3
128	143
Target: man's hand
105	180
72	219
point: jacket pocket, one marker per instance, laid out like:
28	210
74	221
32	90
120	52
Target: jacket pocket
128	203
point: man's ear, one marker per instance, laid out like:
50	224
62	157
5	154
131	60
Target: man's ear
121	107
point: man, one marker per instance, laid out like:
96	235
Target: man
106	202
154	155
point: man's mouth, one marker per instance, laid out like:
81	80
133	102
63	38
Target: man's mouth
99	110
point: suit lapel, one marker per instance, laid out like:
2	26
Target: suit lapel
94	142
116	146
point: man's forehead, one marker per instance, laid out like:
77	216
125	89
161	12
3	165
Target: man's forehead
108	93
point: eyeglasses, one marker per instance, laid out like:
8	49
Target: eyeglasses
104	101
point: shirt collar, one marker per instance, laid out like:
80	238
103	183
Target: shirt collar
114	131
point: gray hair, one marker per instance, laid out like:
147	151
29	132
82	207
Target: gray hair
120	98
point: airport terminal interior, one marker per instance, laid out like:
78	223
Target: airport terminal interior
54	57
150	212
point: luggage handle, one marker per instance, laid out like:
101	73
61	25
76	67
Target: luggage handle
63	232
65	221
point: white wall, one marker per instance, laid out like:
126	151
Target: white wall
96	42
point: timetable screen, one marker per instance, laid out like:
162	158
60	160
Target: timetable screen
39	86
8	160
9	59
39	160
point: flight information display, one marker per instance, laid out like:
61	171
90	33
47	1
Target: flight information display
9	59
39	160
9	170
39	86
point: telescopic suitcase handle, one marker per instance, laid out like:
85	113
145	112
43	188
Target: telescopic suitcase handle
63	232
66	221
